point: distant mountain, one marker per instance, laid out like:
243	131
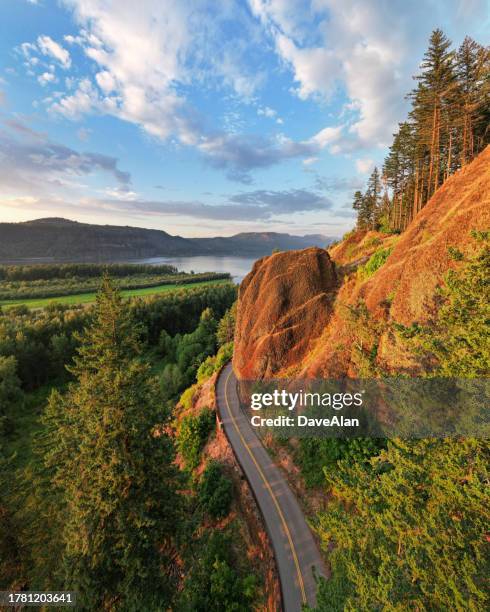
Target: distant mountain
258	243
57	239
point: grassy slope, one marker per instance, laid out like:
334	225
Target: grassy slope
87	298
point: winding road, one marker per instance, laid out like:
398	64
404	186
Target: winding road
297	556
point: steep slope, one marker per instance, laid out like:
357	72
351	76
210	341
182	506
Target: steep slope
284	303
401	290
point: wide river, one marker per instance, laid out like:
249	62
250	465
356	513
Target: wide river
238	267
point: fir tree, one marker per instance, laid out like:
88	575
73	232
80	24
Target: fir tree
432	100
112	464
472	68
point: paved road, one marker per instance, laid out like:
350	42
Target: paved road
295	549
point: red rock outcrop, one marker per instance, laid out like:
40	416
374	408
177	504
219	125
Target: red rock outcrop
284	304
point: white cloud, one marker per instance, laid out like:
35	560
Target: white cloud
46	77
364	166
47	46
105	81
266	111
84	100
326	136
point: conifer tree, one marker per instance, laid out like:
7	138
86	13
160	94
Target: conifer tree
410	527
432	100
473	73
113	466
358	205
372	199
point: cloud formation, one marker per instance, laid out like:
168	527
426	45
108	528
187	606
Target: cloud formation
33	165
259	205
144	60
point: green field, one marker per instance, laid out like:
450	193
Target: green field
88	298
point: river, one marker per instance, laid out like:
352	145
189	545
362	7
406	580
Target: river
238	267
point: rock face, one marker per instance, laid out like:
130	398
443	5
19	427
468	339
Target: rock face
284	303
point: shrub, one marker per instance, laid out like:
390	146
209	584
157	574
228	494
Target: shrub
206	369
457	340
187	397
224	355
314	455
374	263
215	491
215	363
192	436
217	580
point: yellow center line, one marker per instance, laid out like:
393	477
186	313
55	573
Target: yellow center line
268	487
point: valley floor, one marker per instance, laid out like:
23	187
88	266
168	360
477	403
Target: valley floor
88	298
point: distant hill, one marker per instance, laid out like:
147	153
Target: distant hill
259	244
57	239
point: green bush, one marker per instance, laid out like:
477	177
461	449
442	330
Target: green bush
457	340
409	526
215	363
215	491
206	369
224	355
314	455
192	436
333	593
215	580
374	263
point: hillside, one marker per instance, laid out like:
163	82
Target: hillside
56	239
402	290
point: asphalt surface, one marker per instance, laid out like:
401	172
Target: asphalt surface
296	553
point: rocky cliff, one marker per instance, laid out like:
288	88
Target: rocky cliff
285	302
301	313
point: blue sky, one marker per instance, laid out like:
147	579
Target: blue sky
207	118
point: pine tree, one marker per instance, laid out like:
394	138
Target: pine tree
373	199
226	327
473	73
113	466
358	206
432	100
447	125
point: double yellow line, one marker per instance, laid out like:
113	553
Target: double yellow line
268	487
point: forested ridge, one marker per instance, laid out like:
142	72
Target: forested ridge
55	239
447	126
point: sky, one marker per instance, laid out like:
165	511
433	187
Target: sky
207	118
